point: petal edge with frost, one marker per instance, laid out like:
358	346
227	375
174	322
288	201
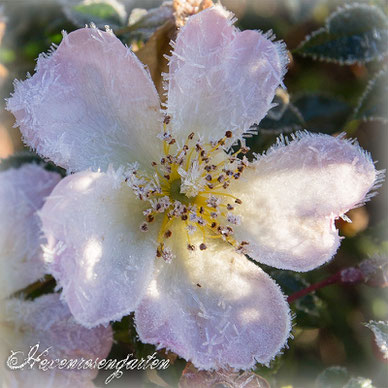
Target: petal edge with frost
220	78
214	308
89	104
292	195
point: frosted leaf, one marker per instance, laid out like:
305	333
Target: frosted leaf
353	34
338	377
143	23
332	377
380	330
371	105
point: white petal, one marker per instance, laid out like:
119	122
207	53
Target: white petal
48	322
220	78
292	195
89	104
22	192
214	308
96	250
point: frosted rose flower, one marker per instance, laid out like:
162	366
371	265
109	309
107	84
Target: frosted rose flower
22	193
162	224
45	320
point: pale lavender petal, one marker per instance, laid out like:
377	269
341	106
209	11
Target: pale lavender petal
220	78
96	250
90	103
48	322
292	195
22	193
214	308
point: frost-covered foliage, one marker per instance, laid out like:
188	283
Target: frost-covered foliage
355	33
380	331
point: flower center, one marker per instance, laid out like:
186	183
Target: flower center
176	194
189	185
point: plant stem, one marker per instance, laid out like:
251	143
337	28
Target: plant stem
351	275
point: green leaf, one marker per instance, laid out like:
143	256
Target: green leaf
373	104
125	333
24	157
45	285
322	113
356	33
284	117
380	331
310	308
100	12
359	382
333	377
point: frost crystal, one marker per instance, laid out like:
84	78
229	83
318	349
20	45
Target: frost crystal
166	236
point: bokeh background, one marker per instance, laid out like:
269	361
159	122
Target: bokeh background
329	328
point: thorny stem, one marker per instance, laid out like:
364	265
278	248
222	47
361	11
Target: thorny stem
351	275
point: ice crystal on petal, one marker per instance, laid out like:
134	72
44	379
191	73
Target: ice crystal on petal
192	180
